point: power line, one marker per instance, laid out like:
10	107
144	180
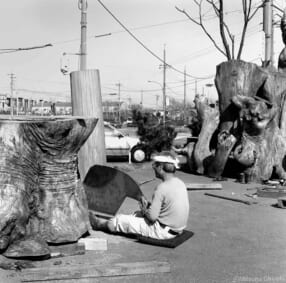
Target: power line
251	31
154	90
135	28
144	46
10	50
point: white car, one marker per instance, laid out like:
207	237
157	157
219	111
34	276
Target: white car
117	144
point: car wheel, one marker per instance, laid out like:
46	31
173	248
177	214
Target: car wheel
138	154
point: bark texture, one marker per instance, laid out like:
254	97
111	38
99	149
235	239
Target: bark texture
40	191
252	128
210	119
257	97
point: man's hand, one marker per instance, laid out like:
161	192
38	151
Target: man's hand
143	204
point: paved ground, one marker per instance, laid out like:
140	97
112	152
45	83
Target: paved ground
233	242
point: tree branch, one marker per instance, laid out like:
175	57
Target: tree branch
222	33
248	13
276	7
255	10
247	17
200	23
216	9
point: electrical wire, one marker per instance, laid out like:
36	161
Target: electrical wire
10	50
144	46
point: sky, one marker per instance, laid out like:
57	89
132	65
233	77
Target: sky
118	56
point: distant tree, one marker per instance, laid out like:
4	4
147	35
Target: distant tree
195	124
248	9
153	133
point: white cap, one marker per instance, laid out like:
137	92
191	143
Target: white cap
166	158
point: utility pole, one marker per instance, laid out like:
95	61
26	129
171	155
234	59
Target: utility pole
157	99
119	86
196	87
82	5
268	30
87	102
12	81
164	87
185	93
141	99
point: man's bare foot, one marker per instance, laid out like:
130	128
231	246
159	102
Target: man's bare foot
95	222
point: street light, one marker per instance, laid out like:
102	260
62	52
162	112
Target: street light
164	100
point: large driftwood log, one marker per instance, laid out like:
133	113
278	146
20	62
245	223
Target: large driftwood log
87	101
40	191
210	118
225	145
252	125
236	78
232	78
262	146
256	97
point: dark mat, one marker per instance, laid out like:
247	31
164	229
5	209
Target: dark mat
170	243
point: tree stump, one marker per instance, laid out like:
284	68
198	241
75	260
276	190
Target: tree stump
41	194
210	119
252	104
252	127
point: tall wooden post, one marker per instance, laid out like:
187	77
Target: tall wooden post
83	24
185	93
87	102
268	30
164	88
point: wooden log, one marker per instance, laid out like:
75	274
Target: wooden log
93	271
252	108
87	101
190	154
232	197
210	120
200	187
234	78
262	146
225	144
41	194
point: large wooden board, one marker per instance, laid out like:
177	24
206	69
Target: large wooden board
93	271
107	187
232	197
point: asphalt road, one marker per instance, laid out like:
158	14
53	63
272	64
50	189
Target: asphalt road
232	242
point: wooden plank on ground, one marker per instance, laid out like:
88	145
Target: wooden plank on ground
67	250
201	187
232	196
272	192
94	244
93	271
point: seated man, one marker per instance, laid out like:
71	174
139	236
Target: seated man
165	216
